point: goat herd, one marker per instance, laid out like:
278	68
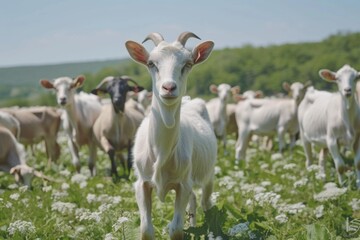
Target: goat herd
172	142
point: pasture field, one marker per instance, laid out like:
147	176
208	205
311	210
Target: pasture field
270	196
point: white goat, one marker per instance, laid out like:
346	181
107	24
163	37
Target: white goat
267	117
116	126
330	119
231	125
81	111
217	109
175	147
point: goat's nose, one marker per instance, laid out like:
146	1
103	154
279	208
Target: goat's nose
62	100
347	91
169	86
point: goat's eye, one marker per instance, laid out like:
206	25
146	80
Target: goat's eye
187	66
151	64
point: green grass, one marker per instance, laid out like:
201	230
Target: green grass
267	197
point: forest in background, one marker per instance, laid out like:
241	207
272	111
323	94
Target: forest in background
251	68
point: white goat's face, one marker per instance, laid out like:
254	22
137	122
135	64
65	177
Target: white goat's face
297	91
345	77
169	65
64	88
224	91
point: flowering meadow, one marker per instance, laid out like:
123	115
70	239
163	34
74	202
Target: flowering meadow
268	196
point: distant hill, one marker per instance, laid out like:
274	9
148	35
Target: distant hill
23	81
249	67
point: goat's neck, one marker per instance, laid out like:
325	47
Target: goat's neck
164	127
349	111
222	107
70	110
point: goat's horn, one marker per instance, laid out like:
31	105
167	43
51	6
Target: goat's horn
155	37
185	36
127	78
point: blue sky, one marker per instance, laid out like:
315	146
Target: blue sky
61	31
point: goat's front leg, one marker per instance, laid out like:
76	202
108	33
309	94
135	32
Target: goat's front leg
143	192
74	153
281	136
183	191
92	157
339	162
109	149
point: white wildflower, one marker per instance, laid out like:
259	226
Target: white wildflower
320	176
282	218
104	207
119	222
65	186
276	156
116	200
8	205
99	186
14	196
65	173
78	178
319	211
212	237
264	166
23	227
313	168
330	193
83	185
109	236
91	198
63	207
46	188
217	170
289	166
215	196
249	202
86	214
13	186
23	188
270	198
293	208
300	183
25	201
239	229
56	195
355	204
265	183
227	182
277	187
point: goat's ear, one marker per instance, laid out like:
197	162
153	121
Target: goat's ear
286	86
98	91
259	94
238	98
137	52
308	84
202	51
327	75
46	83
235	90
78	81
213	88
136	89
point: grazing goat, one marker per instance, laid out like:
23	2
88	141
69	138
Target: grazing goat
12	158
175	147
217	109
267	117
329	119
117	123
37	124
81	111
